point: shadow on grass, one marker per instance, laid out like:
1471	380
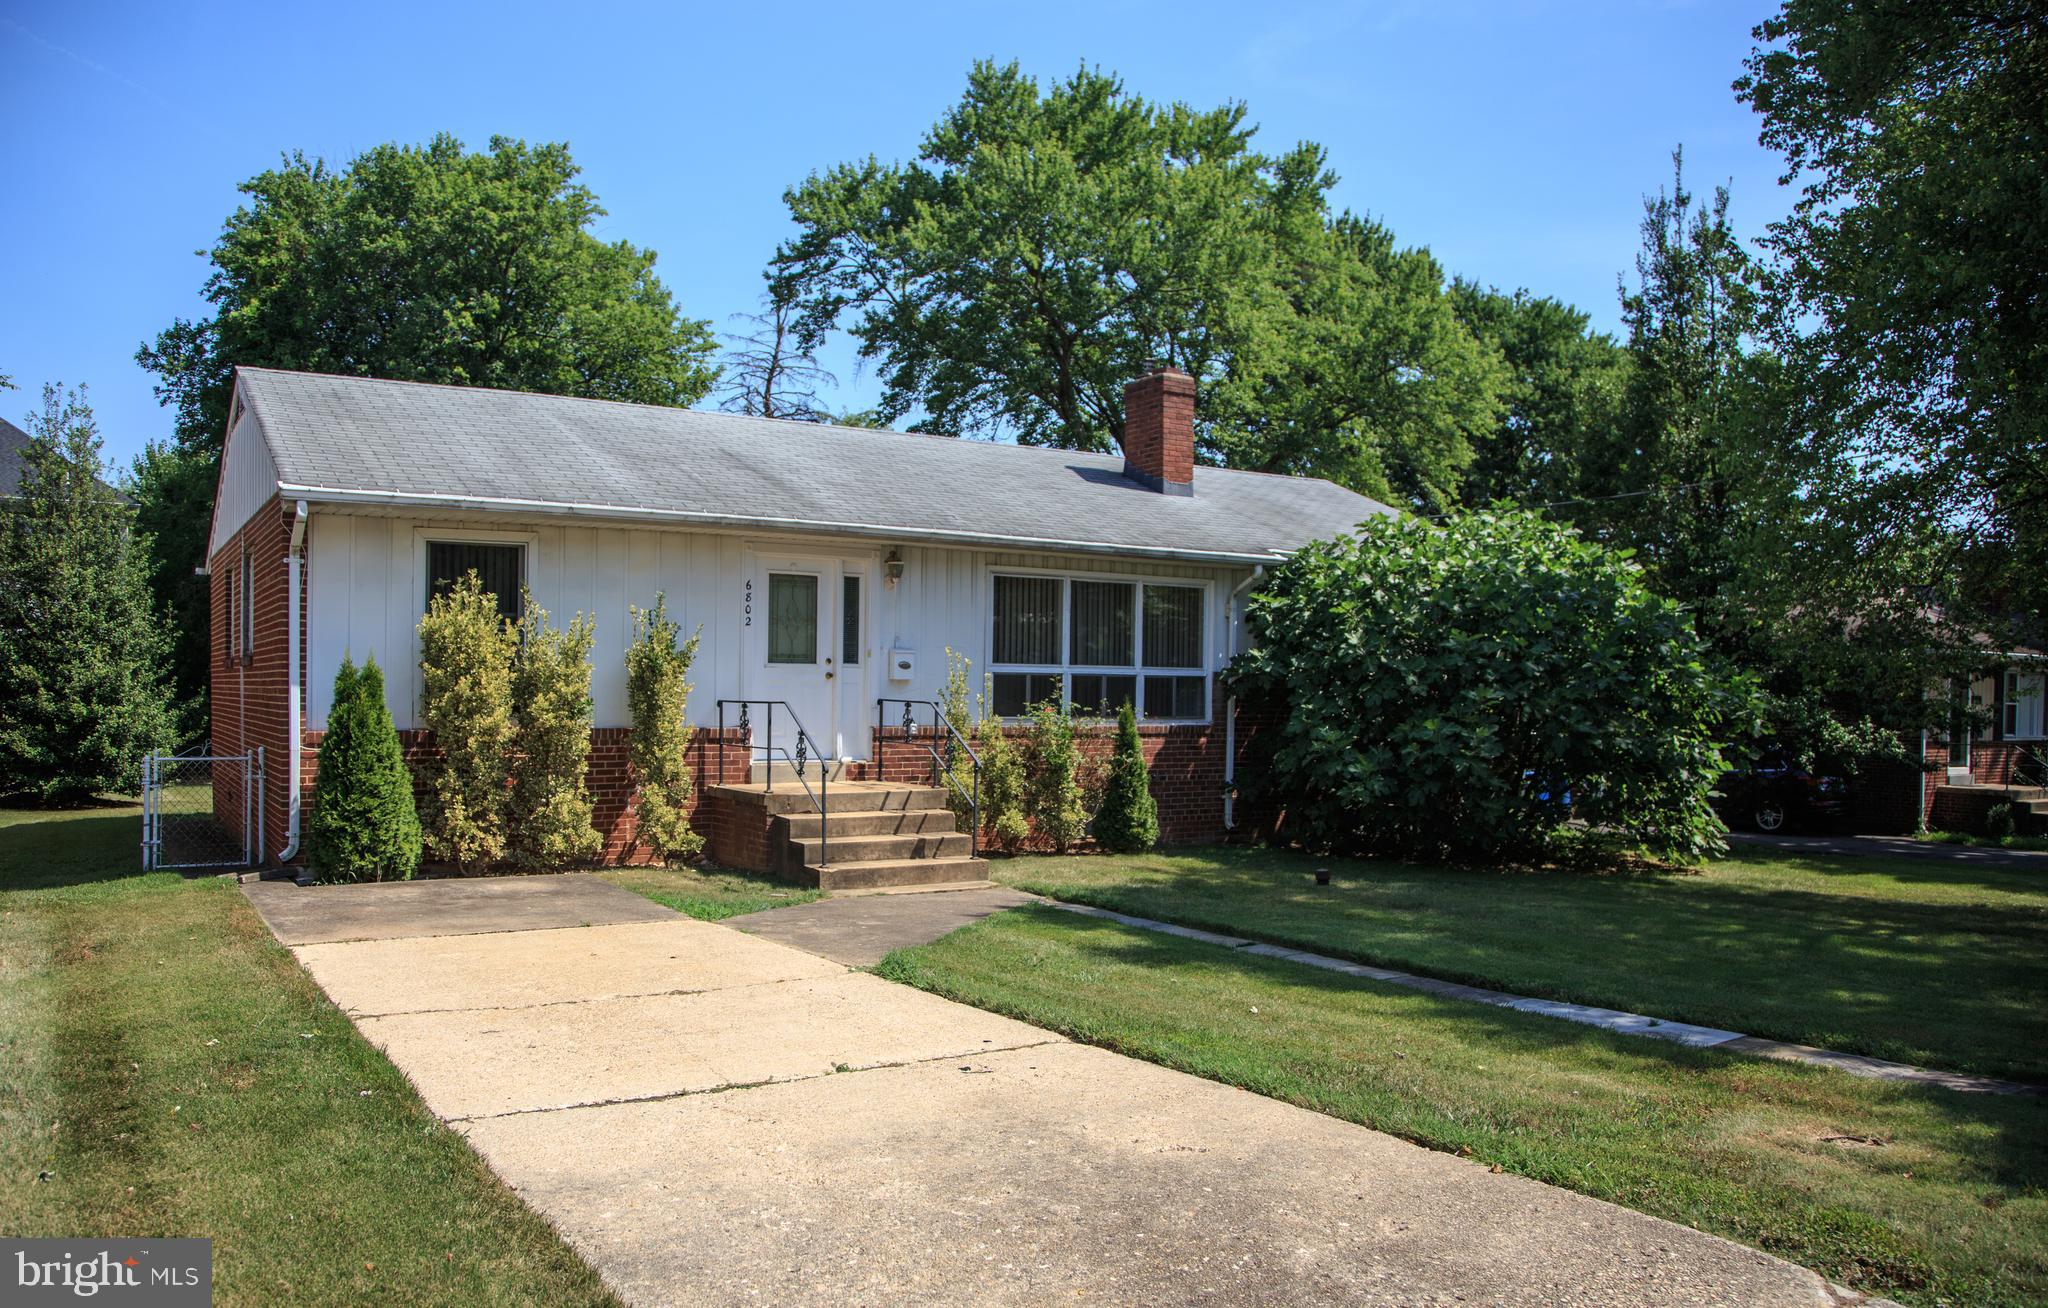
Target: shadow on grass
47	849
1953	984
2008	1143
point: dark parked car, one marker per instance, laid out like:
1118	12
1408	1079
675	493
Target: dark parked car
1774	793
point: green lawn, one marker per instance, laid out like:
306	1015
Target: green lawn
1908	959
1926	1195
709	893
167	1069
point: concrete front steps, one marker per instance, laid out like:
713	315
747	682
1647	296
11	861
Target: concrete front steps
874	836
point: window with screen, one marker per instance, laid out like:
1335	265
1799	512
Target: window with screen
500	568
1095	643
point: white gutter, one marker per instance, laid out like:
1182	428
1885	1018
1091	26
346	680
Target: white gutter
294	728
1230	709
756	522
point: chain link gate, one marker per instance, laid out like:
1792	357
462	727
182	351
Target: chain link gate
201	809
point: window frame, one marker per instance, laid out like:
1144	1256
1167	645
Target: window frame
244	606
424	537
1067	670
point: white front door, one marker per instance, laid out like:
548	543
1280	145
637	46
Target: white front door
806	628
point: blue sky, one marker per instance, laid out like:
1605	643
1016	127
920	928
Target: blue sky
1514	138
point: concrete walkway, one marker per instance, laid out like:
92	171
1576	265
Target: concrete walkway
1924	851
1607	1019
713	1117
858	930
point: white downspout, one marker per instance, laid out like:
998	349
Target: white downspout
1920	808
1230	708
294	727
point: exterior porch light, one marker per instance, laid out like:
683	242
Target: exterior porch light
892	568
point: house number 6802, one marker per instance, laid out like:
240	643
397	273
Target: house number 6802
750	602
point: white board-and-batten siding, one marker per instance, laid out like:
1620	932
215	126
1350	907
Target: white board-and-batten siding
366	591
248	480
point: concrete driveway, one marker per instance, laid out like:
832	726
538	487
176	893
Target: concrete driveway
713	1117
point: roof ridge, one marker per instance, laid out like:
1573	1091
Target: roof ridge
751	417
656	408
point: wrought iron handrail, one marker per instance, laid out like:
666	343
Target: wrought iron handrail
942	767
806	750
2030	765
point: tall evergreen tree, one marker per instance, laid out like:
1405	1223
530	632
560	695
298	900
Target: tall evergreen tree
82	652
1693	479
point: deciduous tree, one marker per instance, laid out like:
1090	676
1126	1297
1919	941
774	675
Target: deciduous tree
427	263
1911	279
1044	245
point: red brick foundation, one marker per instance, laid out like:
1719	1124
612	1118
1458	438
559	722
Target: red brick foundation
609	777
1186	762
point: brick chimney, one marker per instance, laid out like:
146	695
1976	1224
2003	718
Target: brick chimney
1159	430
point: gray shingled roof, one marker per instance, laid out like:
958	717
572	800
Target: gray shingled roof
355	439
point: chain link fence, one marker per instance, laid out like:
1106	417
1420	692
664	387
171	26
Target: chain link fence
201	809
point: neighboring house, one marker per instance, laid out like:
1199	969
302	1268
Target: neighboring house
13	440
1996	748
825	567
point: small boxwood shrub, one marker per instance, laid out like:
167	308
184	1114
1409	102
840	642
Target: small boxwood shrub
363	826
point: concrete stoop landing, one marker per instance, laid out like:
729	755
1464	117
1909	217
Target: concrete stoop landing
874	835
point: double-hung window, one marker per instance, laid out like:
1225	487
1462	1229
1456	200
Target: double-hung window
2023	717
1095	643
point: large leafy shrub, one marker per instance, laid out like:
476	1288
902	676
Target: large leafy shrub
363	826
658	695
551	821
1053	794
1128	820
466	701
1438	690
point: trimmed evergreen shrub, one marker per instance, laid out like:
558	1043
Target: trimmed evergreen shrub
363	826
959	707
658	695
1002	780
551	820
1128	820
466	701
1053	795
